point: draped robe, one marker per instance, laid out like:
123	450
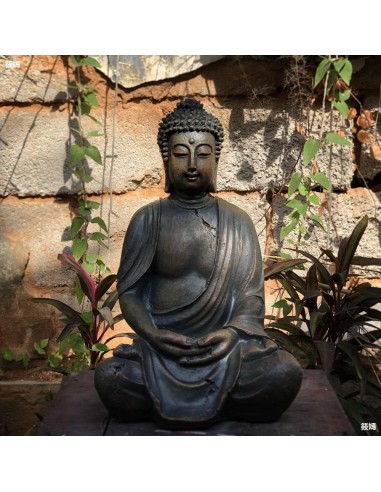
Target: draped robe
232	297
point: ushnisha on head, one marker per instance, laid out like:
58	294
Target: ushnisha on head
188	116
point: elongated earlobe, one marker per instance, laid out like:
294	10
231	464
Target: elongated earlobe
168	188
213	184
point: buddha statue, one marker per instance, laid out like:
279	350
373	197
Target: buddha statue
190	285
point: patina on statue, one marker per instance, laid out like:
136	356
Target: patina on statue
190	284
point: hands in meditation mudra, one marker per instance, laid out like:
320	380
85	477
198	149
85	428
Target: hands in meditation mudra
190	285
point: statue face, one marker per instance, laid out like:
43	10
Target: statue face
191	162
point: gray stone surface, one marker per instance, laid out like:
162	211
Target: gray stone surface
135	70
260	151
369	166
34	154
40	79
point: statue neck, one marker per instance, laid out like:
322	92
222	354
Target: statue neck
191	203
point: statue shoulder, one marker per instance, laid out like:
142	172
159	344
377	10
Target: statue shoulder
234	211
147	213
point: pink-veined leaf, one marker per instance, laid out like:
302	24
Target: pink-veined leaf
87	282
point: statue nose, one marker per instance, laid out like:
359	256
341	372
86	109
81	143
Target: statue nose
192	163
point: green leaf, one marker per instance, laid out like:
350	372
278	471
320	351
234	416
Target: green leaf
44	342
294	183
55	359
79	295
344	95
92	204
25	360
316	318
299	206
344	69
342	107
77	153
89	267
93	258
69	312
39	349
84	109
95	133
118	318
106	314
310	149
323	180
285	325
91	99
314	199
76	225
281	266
365	261
111	299
41	345
317	220
321	268
87	317
339	64
302	189
94	154
104	286
95	120
76	60
280	304
83	175
338	139
100	222
79	248
99	347
284	305
8	355
87	283
285	231
77	344
90	62
321	71
347	254
97	236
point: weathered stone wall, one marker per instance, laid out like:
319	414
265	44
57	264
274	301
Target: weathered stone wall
261	147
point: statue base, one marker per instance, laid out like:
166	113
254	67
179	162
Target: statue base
77	411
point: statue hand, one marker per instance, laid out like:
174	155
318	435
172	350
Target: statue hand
218	344
175	344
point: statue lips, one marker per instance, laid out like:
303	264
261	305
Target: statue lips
191	176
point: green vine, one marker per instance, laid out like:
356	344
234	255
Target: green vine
333	77
80	152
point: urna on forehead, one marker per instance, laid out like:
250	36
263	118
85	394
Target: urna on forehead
193	139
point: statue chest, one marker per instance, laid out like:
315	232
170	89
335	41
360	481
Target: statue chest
187	243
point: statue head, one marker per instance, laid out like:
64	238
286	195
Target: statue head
188	116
